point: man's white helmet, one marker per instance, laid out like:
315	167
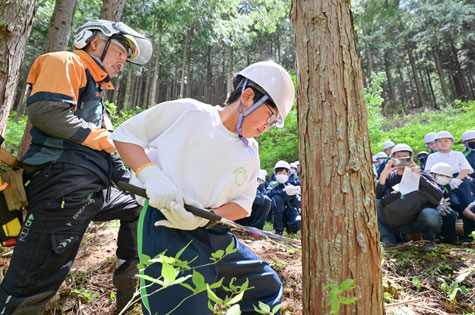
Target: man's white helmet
276	82
442	168
468	135
444	134
282	164
429	137
402	147
293	165
262	175
140	50
388	144
381	155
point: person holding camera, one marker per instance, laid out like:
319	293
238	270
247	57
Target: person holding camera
421	204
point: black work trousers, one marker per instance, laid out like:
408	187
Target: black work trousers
64	199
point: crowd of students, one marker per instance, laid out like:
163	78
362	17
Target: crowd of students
446	184
277	201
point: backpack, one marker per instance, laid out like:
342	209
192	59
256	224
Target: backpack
400	209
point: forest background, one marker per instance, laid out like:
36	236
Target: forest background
417	56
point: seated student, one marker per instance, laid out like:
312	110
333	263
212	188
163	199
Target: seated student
429	140
428	221
260	206
468	139
421	156
442	174
469	214
294	177
285	200
458	163
387	148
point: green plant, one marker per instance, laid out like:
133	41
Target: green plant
14	132
265	309
455	287
417	283
336	298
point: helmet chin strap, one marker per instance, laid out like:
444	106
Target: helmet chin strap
247	112
106	48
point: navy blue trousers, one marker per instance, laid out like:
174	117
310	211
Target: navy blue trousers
242	265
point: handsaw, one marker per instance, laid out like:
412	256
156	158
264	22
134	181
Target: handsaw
212	216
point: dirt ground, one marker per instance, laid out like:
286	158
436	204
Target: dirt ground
412	279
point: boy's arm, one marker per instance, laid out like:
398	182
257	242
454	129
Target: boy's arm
463	173
132	154
231	211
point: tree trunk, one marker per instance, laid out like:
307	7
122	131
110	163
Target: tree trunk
112	10
15	28
229	74
156	68
412	62
209	76
440	73
60	26
128	90
403	86
22	104
340	238
458	76
369	54
431	89
387	69
183	65
115	93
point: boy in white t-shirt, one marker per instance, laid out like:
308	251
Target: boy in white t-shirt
205	156
459	184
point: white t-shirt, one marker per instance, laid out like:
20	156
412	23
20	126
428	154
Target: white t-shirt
455	159
190	144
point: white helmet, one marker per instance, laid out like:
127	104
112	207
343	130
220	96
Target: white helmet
388	144
444	134
429	137
402	147
276	82
442	168
262	175
139	49
293	165
381	155
422	153
468	135
282	164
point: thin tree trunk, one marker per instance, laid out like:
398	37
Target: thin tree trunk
229	74
22	104
340	238
183	66
440	73
403	86
156	68
128	90
369	54
115	94
431	89
458	76
387	69
112	10
412	62
209	76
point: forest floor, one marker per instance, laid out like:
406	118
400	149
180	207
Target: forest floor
441	282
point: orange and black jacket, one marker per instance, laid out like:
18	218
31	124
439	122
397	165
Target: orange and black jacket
66	110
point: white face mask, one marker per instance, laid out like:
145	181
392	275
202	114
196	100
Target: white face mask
442	180
282	178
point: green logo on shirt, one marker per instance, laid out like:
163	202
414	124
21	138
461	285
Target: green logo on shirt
240	176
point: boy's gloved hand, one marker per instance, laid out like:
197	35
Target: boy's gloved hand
179	218
455	183
444	207
290	190
160	190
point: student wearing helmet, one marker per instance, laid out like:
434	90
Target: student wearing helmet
261	205
442	173
429	141
428	221
387	148
460	184
285	206
294	177
468	139
205	156
71	169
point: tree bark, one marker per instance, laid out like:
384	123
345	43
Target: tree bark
440	73
15	28
369	54
412	62
229	74
387	69
128	88
60	26
340	238
183	66
461	88
112	10
156	68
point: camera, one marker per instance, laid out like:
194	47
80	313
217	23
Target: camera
405	161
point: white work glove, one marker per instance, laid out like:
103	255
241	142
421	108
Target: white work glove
160	190
290	190
444	207
179	218
455	183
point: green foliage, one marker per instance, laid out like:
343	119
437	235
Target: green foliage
336	292
373	99
14	132
455	287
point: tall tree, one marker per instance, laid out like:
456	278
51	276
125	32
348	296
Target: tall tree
15	28
59	31
340	236
112	10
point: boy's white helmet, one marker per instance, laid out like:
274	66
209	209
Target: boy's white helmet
262	175
429	137
402	147
444	134
388	144
282	164
381	155
276	82
442	168
468	135
141	47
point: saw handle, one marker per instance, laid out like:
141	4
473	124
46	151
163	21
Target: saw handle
196	211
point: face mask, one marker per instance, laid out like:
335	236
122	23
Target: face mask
281	178
471	145
442	180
